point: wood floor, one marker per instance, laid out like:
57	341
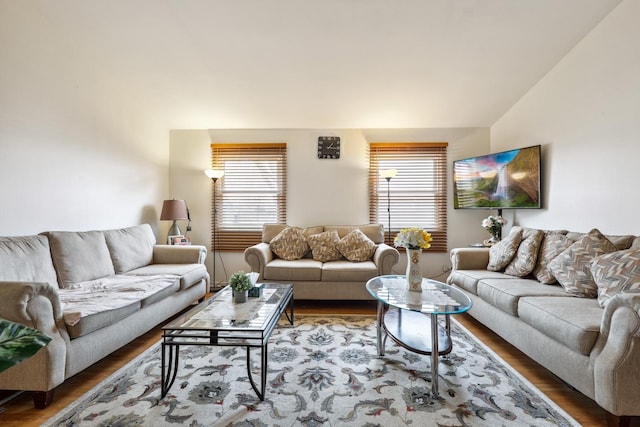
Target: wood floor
19	411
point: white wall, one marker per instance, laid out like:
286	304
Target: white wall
318	191
586	114
76	152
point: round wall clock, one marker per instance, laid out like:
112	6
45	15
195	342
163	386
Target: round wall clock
328	147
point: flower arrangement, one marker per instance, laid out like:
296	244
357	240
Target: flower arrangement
412	238
494	224
240	281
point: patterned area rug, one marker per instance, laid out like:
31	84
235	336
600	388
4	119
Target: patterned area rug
322	372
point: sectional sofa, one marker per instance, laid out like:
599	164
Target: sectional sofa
325	262
570	301
92	292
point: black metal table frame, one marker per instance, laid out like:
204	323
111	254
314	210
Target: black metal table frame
172	339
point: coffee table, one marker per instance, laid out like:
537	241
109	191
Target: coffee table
219	321
411	318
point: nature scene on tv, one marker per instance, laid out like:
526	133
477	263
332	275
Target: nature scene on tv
510	179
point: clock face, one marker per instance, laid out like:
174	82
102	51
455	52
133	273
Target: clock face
328	147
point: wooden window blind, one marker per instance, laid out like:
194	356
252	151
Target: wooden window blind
418	193
252	192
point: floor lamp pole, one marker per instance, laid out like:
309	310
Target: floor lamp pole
214	175
215	232
388	178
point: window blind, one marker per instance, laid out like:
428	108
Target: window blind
417	195
252	192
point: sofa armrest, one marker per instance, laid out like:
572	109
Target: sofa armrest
385	257
37	305
617	360
178	254
469	258
257	256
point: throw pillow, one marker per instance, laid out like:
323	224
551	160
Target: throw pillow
501	254
290	244
572	267
323	246
552	245
356	246
615	273
527	255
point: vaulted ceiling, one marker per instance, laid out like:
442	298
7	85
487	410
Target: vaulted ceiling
324	64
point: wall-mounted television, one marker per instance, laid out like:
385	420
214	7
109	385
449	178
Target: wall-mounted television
505	180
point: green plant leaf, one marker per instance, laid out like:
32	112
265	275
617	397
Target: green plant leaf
18	342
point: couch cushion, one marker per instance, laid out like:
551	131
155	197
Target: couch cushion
615	273
189	274
356	246
271	230
525	260
346	271
574	322
553	244
501	254
301	269
290	244
79	256
468	279
130	247
89	306
505	294
26	259
323	246
572	267
375	232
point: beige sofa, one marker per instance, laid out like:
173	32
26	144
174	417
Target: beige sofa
596	350
321	271
92	292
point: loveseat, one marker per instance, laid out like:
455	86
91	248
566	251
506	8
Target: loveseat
568	300
92	292
325	262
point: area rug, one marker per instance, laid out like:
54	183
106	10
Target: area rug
322	372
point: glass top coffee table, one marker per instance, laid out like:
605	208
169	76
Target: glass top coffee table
219	321
411	318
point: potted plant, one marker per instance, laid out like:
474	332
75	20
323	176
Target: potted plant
18	342
240	284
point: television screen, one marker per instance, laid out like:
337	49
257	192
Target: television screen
510	179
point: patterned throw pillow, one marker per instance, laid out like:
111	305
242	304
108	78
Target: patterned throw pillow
553	244
501	254
356	246
290	244
527	255
323	246
615	273
572	267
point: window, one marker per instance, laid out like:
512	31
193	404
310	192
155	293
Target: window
418	193
251	192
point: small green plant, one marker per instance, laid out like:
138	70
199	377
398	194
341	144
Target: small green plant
239	281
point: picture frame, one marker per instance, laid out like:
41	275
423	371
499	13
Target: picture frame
181	241
172	240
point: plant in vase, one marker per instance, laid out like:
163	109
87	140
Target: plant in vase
240	283
493	224
414	240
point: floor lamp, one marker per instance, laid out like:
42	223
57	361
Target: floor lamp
214	174
388	174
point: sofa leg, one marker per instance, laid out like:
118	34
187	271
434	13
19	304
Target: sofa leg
617	420
42	399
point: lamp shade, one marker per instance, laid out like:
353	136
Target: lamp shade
388	173
214	173
174	209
